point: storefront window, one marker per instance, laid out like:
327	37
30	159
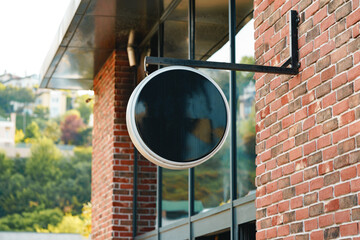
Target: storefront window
175	182
212	178
174	195
245	114
246	135
245	121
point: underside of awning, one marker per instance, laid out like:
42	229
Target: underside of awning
92	29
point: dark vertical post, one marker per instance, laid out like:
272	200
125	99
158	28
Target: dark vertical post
135	192
294	21
159	201
135	177
159	169
233	152
191	29
191	188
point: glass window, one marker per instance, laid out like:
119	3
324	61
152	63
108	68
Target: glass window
175	182
176	32
246	135
212	178
174	195
218	167
245	113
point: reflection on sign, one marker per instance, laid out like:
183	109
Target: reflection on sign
177	117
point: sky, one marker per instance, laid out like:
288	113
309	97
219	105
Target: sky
244	45
27	29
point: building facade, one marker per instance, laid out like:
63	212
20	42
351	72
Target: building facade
308	125
55	101
8	79
7	131
304	180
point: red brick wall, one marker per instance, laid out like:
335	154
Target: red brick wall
308	141
113	165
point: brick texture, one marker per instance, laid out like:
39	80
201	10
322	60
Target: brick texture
316	152
113	159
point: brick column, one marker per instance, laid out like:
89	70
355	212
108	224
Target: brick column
308	170
113	165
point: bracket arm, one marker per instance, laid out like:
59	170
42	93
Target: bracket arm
293	60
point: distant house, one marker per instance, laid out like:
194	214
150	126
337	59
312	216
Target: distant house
31	81
54	100
9	79
7	131
246	100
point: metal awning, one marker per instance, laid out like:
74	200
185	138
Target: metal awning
92	29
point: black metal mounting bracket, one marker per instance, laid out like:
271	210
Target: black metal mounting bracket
293	60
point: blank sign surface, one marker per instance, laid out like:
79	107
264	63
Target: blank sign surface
179	115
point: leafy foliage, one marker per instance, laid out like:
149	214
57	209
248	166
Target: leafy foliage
72	224
41	112
52	131
68	224
30	221
86	216
32	131
70	128
84	107
85	137
46	189
10	94
45	181
19	136
42	166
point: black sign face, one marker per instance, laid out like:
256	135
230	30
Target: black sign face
177	117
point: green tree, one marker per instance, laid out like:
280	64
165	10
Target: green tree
19	136
71	112
6	165
32	131
70	128
52	131
10	94
41	112
41	116
44	181
6	170
76	178
84	106
42	164
30	221
72	224
22	95
82	154
85	137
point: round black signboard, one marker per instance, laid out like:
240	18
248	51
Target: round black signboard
177	117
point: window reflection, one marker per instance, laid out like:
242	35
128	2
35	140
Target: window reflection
212	178
246	135
174	196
